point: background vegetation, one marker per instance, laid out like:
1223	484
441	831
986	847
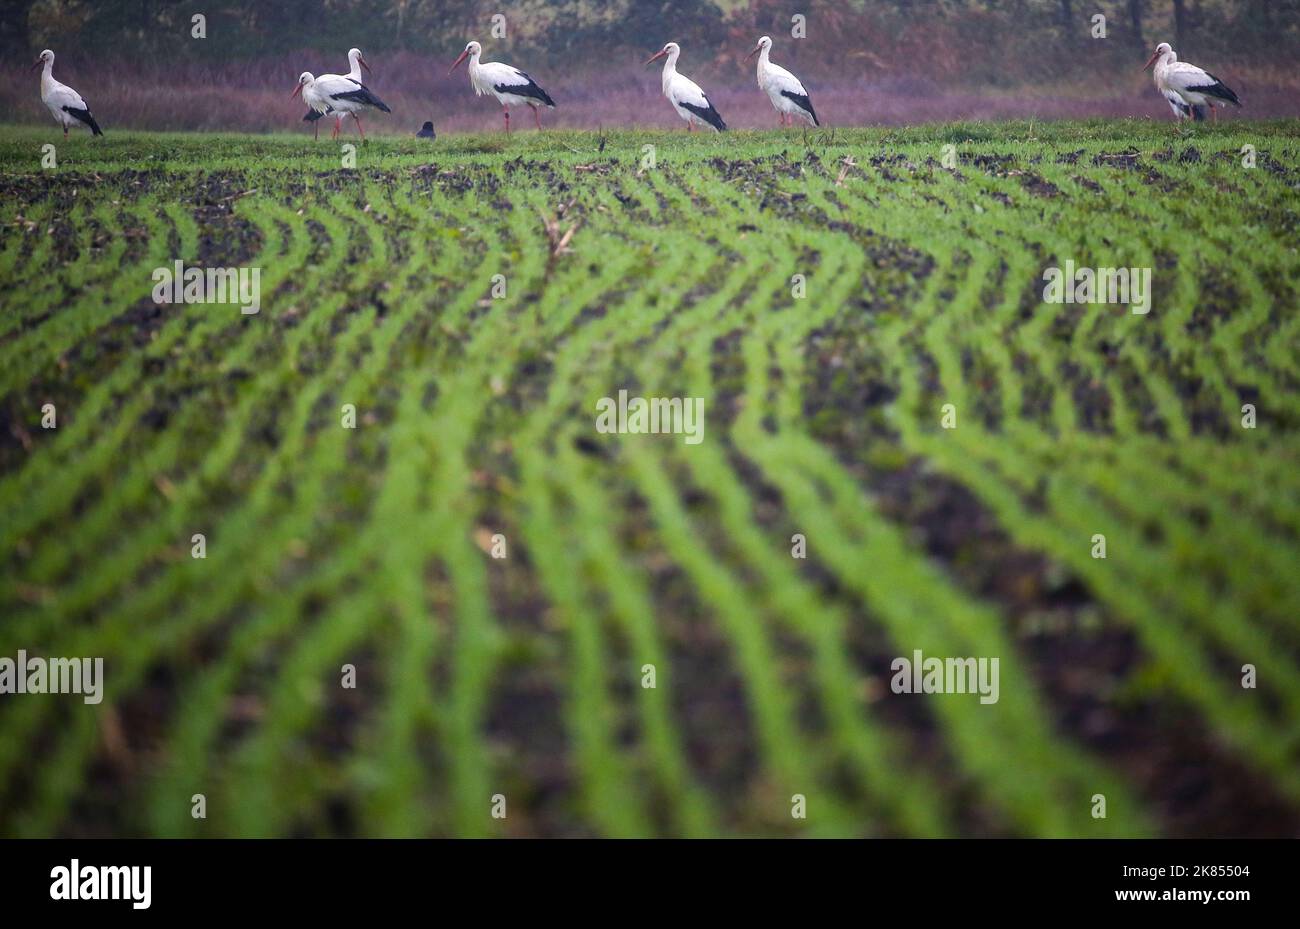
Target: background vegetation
891	61
882	31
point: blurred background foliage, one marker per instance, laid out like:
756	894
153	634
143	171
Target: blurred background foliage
868	61
992	40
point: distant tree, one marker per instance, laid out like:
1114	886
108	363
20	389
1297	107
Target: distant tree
881	34
1135	19
1180	21
13	27
1067	18
577	29
672	19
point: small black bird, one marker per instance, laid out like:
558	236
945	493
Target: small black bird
426	131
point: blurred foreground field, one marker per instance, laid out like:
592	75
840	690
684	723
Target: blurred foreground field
523	675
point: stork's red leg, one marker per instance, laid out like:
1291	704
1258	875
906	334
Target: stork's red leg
536	118
506	111
359	129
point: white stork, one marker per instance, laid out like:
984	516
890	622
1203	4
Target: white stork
337	95
782	88
312	97
691	103
508	84
356	61
1188	89
64	103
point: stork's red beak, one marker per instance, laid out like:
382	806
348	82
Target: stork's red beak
39	62
753	53
456	63
365	64
297	90
1151	60
657	55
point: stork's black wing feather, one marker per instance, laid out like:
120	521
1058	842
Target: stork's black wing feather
804	102
1218	90
530	88
362	95
708	113
85	117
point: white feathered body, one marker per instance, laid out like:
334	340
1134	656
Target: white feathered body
510	86
786	91
1186	86
326	95
59	98
687	98
327	85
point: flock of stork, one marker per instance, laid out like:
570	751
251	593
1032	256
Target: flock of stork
342	95
1188	89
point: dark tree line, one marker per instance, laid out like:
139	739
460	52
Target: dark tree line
256	27
588	29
